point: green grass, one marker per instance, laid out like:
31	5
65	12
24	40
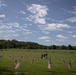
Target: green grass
39	67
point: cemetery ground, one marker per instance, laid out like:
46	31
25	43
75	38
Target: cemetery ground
32	64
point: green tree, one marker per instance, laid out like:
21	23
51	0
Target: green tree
54	47
70	47
63	47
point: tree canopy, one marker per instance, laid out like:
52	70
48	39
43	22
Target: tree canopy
7	44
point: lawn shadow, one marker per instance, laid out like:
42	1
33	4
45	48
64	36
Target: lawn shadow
52	72
5	71
21	73
72	71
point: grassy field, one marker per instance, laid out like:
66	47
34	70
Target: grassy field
39	66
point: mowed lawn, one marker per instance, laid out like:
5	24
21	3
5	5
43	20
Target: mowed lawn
39	66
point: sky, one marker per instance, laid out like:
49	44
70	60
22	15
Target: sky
46	22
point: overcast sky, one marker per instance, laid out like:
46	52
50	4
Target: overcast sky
46	22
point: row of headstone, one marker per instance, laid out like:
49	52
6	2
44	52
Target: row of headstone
17	63
69	65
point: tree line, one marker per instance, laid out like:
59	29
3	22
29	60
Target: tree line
9	44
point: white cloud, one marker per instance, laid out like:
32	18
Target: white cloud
63	26
16	24
15	35
73	19
46	32
13	24
2	4
55	26
61	36
74	7
22	12
8	34
9	29
74	36
17	27
27	32
47	40
74	11
44	37
5	27
70	32
2	16
38	10
40	20
38	13
61	40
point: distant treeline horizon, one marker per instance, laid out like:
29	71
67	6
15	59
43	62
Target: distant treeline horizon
9	44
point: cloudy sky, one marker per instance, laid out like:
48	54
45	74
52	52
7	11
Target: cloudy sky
46	22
